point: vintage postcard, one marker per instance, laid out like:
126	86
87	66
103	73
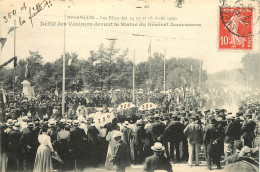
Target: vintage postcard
98	85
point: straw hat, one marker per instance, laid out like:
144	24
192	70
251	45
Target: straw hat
158	147
17	126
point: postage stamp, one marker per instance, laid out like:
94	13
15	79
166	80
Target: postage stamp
235	28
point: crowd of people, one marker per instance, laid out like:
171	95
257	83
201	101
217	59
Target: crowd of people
50	103
39	138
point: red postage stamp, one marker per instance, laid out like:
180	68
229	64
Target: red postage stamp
235	28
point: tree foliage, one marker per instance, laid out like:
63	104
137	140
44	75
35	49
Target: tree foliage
104	68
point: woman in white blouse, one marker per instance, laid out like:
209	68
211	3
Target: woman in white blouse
43	161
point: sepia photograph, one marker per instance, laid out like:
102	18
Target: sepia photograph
129	85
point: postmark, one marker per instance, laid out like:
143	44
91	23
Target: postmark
235	28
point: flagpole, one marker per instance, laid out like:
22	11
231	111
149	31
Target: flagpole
164	73
63	73
14	56
134	78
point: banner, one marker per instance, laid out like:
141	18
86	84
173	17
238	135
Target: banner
101	119
148	106
126	105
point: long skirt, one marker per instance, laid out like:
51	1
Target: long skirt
43	161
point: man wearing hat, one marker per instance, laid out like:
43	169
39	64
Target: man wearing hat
212	142
128	135
10	125
37	128
157	129
157	161
148	128
230	134
248	129
52	131
15	148
24	122
30	143
194	135
93	142
139	140
77	143
174	131
120	159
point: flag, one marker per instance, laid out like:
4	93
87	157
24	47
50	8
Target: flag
56	92
69	62
2	41
12	29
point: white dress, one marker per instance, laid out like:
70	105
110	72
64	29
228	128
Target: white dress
110	151
43	161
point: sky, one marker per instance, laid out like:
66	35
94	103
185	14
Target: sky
198	42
